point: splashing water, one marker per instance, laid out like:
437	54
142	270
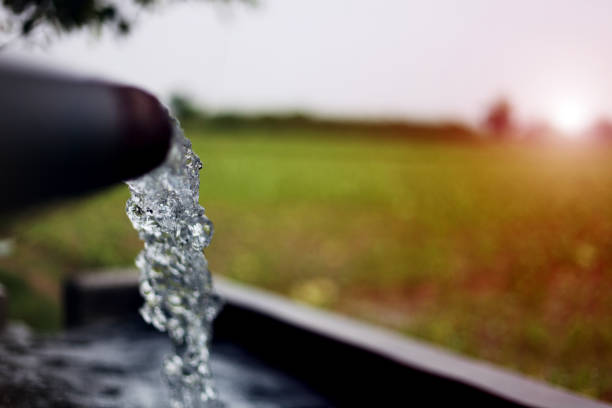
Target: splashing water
174	277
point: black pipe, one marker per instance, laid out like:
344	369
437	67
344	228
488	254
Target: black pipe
63	136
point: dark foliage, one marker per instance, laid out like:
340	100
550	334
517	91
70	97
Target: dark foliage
499	119
67	15
182	107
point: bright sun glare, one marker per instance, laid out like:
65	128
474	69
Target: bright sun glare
571	118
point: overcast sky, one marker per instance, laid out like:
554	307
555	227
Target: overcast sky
426	59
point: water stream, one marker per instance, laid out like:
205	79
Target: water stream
174	277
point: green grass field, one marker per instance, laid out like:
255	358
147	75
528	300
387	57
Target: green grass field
503	252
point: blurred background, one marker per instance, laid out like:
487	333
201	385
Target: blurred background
443	169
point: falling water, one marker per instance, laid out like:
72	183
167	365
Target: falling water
174	277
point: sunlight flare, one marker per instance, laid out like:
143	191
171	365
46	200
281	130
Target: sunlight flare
571	117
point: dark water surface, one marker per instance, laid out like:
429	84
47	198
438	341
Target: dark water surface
118	365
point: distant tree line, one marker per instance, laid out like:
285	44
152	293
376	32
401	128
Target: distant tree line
501	124
602	130
189	113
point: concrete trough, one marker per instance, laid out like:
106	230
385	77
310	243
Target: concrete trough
347	362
